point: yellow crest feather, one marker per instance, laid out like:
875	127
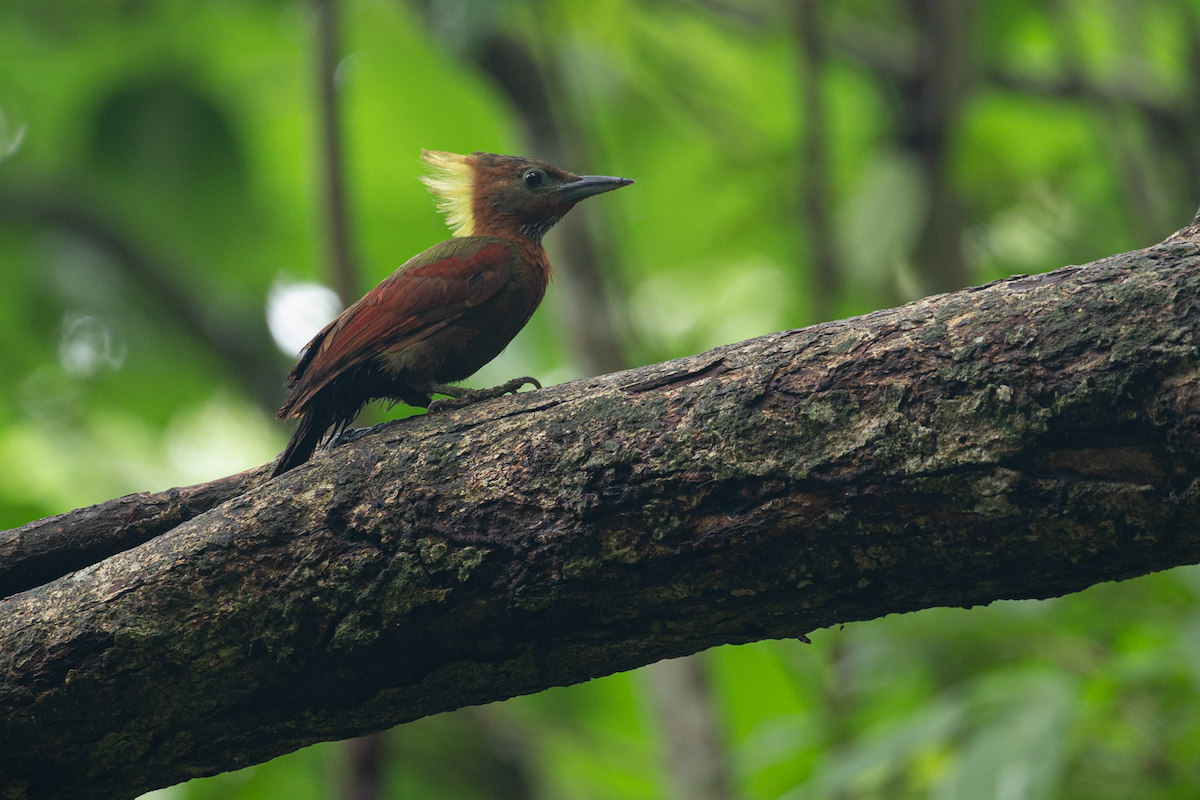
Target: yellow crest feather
452	181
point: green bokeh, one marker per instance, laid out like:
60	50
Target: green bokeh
188	131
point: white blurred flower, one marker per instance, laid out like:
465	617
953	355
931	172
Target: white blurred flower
88	344
297	311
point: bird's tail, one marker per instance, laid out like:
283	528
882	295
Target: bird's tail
304	441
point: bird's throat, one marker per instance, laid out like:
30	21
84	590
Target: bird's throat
533	257
536	230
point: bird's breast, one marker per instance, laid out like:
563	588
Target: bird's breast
458	350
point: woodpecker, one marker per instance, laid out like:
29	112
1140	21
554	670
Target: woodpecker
446	312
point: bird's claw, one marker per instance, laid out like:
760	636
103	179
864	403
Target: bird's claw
465	397
511	387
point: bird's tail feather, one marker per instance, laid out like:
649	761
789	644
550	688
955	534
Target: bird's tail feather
304	441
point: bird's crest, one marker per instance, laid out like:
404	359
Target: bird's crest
452	180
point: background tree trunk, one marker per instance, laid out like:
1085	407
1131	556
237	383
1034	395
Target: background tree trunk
1023	439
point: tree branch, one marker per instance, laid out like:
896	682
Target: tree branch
815	190
242	342
49	548
895	52
337	225
1024	439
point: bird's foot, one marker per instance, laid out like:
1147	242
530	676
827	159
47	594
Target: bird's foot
460	397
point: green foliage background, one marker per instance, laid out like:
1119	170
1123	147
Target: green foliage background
159	174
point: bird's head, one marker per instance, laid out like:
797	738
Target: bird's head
485	194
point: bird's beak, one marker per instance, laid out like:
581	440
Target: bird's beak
589	185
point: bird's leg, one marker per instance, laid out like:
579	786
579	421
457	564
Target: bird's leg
460	396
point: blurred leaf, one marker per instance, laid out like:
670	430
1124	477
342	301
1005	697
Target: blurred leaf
879	753
1020	753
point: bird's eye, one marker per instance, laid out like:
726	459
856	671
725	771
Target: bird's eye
532	178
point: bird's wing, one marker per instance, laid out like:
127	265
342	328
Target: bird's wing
429	292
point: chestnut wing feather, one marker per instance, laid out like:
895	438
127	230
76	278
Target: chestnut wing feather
429	292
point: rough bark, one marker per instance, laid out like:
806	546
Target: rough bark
49	548
1024	439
